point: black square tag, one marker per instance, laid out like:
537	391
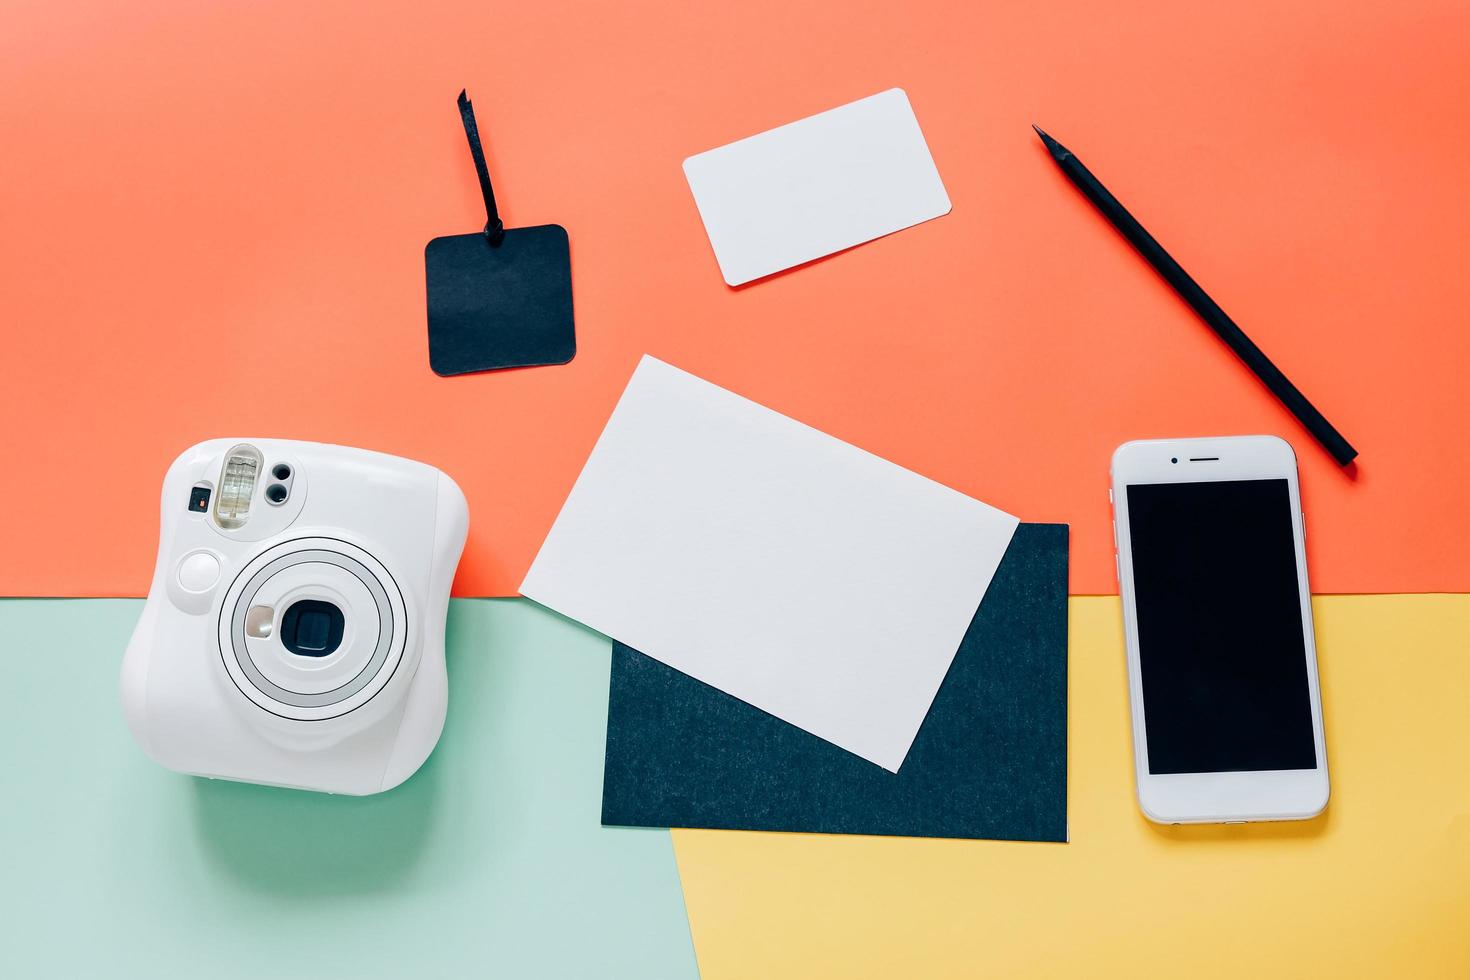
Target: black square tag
500	306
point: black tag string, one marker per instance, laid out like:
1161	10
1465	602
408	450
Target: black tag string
494	227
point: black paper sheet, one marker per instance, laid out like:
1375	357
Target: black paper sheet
989	762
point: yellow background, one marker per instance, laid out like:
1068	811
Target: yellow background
1378	886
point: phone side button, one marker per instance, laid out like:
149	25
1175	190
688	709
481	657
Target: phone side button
1118	567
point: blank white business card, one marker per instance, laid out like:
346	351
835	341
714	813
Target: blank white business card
787	568
816	186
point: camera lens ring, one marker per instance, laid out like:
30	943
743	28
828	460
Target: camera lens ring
276	493
281	471
372	665
371	674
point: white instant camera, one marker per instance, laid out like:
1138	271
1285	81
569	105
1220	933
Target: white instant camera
294	631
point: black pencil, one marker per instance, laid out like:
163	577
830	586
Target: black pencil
1208	309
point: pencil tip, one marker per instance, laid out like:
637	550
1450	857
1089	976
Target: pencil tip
1052	146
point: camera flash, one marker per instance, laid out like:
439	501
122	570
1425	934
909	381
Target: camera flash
237	486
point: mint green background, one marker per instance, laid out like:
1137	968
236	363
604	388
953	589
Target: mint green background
489	862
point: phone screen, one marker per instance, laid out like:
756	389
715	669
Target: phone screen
1220	641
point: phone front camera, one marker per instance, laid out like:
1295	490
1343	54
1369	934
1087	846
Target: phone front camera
1174	459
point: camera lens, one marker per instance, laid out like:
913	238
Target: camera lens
275	493
281	471
1174	460
312	628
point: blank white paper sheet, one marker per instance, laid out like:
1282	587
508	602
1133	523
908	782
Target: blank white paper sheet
816	186
787	568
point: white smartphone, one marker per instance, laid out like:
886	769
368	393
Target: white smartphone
1217	616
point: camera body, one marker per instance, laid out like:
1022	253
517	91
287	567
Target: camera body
294	631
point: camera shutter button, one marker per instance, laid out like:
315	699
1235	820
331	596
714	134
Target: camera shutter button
198	572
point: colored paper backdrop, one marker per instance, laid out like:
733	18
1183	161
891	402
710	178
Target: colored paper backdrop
484	864
1378	886
215	217
490	860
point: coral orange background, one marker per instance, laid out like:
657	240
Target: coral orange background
214	217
